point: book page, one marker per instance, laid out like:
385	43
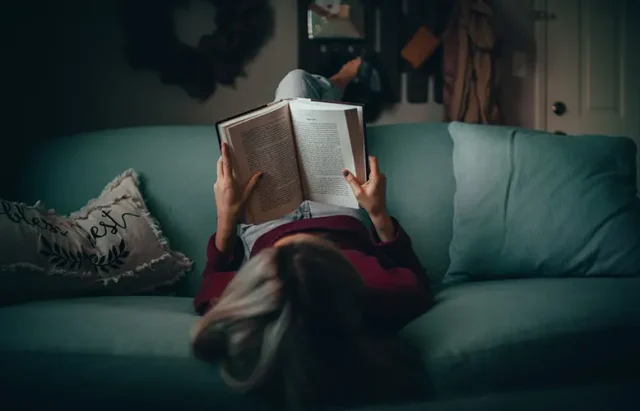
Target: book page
356	126
276	105
265	143
324	149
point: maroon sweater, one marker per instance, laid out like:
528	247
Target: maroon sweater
396	281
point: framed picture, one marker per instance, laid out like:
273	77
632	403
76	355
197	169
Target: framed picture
336	19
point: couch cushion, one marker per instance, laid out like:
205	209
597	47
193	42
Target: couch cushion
531	204
588	397
514	334
118	350
416	159
133	352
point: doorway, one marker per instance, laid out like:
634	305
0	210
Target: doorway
588	67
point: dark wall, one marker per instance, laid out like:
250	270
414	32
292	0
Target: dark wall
66	73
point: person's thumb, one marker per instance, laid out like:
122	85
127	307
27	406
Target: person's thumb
355	185
251	185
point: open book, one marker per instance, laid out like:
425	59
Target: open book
302	146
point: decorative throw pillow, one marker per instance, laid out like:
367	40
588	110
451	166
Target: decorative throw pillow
532	204
111	246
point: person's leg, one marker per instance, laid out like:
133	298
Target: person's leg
249	233
300	84
346	74
317	210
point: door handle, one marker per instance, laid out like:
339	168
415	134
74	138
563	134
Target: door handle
559	108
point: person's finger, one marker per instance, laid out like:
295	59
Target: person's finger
226	160
220	167
251	185
355	185
373	165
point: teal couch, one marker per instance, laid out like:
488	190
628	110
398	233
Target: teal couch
513	344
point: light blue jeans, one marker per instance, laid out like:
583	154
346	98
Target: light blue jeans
299	83
249	233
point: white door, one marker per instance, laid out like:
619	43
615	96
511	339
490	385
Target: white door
592	67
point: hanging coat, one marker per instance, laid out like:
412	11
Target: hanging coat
470	64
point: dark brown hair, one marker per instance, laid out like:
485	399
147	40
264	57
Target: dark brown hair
309	344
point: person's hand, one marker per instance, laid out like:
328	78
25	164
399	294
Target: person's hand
231	196
371	195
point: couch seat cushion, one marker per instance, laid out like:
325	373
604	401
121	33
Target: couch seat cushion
108	352
514	334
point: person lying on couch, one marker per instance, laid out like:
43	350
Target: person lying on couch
304	309
318	301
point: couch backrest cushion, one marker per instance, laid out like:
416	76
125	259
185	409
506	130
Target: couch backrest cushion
417	160
177	170
535	204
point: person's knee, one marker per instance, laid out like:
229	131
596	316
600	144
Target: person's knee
296	75
294	84
295	79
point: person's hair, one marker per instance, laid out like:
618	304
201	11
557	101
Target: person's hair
290	327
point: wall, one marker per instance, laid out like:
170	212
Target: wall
70	75
88	85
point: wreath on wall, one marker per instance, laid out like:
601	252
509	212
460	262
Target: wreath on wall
242	28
